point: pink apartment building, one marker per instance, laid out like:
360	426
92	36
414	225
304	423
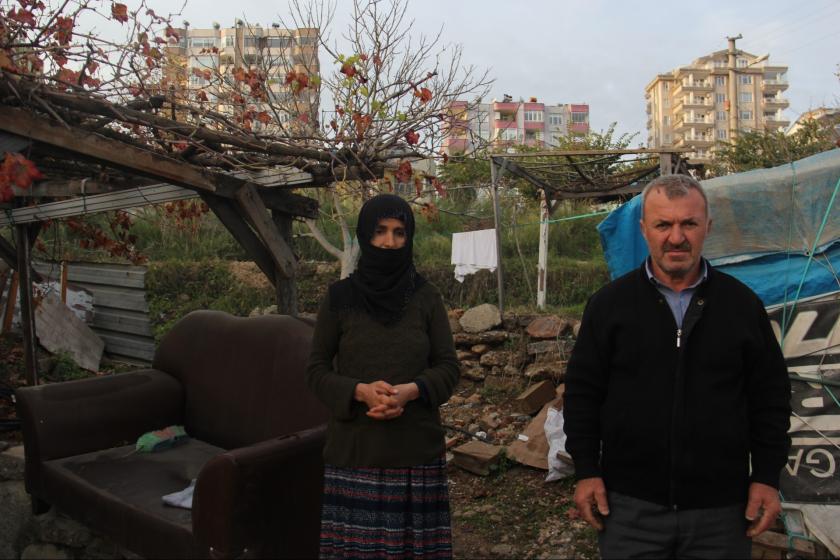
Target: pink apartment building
509	122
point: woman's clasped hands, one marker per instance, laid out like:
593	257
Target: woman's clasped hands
385	401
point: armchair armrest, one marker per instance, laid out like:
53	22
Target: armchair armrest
73	417
264	499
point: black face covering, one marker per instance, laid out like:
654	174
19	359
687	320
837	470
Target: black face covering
385	279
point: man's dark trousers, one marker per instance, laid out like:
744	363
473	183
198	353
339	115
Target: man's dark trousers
640	529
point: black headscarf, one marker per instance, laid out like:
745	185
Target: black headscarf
385	279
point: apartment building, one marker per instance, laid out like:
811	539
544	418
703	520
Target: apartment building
222	50
507	122
694	106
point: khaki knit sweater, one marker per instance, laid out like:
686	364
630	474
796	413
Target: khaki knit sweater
418	348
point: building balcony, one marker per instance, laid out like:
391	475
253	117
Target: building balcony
455	145
775	102
579	128
506	107
774	84
775	121
695	141
693	85
534	125
501	124
690	102
684	123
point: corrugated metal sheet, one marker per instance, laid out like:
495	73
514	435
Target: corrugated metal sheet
120	310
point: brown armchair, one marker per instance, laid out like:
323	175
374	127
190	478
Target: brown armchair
237	385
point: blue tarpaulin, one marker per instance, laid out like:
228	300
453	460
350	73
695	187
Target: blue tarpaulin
764	224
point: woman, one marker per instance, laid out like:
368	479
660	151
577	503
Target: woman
385	489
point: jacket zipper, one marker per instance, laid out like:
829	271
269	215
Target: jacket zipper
674	410
679	336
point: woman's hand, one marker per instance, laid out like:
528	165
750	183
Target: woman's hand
386	401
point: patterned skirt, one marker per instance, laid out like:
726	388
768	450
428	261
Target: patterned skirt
386	513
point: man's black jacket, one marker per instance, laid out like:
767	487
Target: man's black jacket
677	423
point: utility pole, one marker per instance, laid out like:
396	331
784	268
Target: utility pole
732	88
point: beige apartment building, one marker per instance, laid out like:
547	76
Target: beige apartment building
696	106
222	50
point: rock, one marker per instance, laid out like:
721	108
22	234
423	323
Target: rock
44	552
502	550
502	382
480	349
456	400
456	313
11	464
534	397
464	355
56	528
103	549
575	328
473	428
555	371
474	374
498	358
548	326
543	346
510	322
473	399
490	421
511	371
487	337
469	364
481	318
477	457
455	326
15	513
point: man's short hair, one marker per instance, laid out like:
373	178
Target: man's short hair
676	186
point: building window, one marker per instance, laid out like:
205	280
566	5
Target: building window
746	80
746	115
721	115
202	42
279	42
555	120
666	102
745	97
229	41
742	63
720	63
204	62
721	134
578	117
720	97
720	81
509	134
666	86
666	120
533	116
666	139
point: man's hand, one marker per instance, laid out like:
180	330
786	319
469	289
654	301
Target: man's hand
589	494
763	506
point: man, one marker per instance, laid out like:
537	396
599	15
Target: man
677	401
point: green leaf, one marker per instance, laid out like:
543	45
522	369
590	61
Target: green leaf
402	116
363	91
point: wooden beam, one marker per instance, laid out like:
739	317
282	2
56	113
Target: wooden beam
276	199
230	217
74	187
27	308
8	253
285	288
118	154
579	171
593	153
252	206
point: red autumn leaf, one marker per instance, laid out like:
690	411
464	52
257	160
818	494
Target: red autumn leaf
239	74
403	172
207	75
19	171
441	190
425	94
238	99
412	137
119	12
304	118
67	76
22	16
377	61
445	156
64	29
334	125
363	57
6	62
92	67
418	186
362	123
151	12
263	117
340	111
180	146
150	62
430	211
172	34
348	69
159	40
201	95
58	57
90	82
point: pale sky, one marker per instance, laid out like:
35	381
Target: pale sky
600	52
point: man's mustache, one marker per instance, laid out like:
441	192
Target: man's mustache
684	246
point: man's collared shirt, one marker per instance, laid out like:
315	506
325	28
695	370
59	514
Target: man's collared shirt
677	301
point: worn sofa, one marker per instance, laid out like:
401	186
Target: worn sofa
256	435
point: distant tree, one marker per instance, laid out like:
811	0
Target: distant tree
755	150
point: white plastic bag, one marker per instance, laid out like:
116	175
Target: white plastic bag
556	437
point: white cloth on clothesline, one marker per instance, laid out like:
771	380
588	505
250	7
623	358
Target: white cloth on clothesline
473	251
